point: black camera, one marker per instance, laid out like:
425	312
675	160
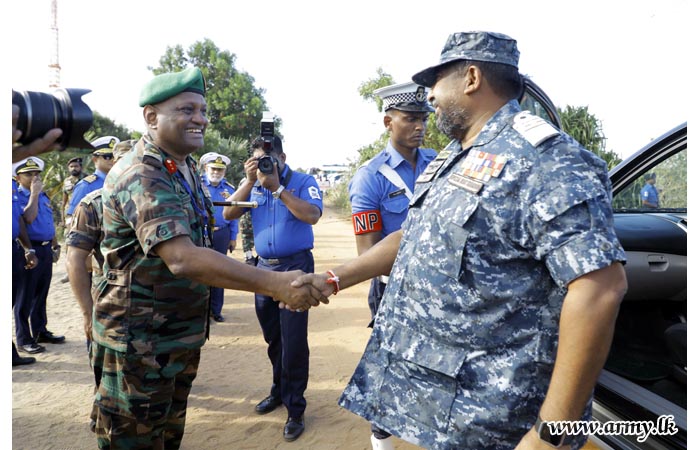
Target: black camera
266	164
40	112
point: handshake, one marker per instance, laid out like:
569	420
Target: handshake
305	290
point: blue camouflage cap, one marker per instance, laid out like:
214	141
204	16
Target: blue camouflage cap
473	46
167	85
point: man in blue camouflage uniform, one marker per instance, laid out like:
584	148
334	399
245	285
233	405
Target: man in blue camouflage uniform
507	279
103	159
381	188
151	309
289	203
30	309
225	231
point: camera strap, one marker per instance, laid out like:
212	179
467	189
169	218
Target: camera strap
199	209
285	181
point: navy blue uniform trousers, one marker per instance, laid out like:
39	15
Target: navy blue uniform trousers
30	306
221	239
285	333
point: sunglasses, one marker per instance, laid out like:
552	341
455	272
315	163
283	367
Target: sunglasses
107	157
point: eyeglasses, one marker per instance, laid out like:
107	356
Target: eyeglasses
107	157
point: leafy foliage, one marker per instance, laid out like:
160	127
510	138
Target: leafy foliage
585	127
234	103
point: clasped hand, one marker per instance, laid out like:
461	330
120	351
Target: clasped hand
313	284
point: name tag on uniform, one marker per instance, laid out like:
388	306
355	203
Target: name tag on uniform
397	193
467	183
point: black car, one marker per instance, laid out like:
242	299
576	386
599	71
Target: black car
644	378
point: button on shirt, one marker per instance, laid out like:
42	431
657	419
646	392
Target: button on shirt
42	228
219	194
278	233
84	187
372	191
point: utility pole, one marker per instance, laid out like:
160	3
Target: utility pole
54	66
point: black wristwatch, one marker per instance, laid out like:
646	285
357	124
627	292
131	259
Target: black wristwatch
555	440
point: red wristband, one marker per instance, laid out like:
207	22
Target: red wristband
334	280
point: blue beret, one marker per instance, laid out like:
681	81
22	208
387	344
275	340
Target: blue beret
168	85
472	46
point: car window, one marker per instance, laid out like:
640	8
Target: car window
535	100
665	184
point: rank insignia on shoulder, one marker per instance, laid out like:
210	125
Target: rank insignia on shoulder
90	178
444	154
482	166
533	128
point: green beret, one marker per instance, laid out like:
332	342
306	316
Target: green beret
168	85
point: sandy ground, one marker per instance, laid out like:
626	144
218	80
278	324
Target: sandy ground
51	399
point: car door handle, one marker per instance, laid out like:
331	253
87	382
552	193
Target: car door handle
657	263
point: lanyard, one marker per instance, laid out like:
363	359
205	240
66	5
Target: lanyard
204	216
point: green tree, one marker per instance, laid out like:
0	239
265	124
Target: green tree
585	127
234	103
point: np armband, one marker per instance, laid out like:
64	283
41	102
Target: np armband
334	280
367	221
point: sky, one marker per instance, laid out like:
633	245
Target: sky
625	61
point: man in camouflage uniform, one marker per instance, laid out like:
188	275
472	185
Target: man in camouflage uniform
75	168
82	241
502	300
245	227
151	307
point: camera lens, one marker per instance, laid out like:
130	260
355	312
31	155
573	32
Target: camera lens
266	164
39	112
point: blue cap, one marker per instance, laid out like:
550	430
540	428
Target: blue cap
473	46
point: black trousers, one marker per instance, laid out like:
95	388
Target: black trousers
285	333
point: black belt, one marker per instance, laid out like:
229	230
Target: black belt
286	259
40	243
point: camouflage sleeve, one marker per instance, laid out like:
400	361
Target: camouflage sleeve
245	226
86	229
571	219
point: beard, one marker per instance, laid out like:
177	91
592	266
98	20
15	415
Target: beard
215	178
75	173
452	121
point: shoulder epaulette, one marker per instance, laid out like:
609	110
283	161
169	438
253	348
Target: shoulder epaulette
90	178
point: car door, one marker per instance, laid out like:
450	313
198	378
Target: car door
644	378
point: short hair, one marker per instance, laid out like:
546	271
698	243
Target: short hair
504	79
259	143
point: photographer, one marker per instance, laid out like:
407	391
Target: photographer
289	203
38	146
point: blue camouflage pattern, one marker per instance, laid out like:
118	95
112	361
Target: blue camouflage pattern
464	343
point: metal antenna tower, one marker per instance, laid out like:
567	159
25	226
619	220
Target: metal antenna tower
54	66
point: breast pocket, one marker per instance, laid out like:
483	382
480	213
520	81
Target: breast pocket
449	231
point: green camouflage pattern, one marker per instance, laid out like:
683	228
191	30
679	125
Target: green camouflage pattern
86	230
245	227
151	413
140	306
